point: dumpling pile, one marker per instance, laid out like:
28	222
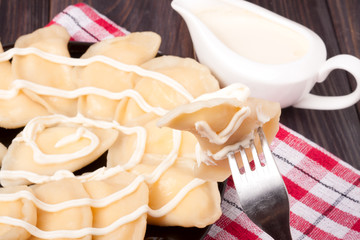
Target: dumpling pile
109	103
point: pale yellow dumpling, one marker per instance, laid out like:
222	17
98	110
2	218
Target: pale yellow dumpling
193	76
223	123
18	110
160	142
54	40
22	209
133	49
60	141
200	207
109	214
194	79
73	218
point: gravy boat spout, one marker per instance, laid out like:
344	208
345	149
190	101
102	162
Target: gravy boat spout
278	59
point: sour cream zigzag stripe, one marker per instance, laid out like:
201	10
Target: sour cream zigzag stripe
102	231
20	84
99	174
106	60
33	230
176	200
37	124
168	161
43	158
97	203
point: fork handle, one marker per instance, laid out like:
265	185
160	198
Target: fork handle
278	232
277	227
277	222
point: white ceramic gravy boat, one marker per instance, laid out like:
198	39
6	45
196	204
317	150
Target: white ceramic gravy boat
285	75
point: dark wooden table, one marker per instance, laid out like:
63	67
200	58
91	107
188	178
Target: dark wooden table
337	22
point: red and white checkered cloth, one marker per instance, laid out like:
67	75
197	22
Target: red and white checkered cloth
324	191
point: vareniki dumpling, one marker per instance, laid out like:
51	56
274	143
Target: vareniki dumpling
120	208
59	143
16	110
20	209
222	122
53	39
133	49
199	207
72	218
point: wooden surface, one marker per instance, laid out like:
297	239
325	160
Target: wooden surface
337	22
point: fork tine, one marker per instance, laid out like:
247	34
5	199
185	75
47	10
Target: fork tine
245	160
255	155
238	179
270	162
262	192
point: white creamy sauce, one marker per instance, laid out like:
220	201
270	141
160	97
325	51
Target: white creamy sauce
253	36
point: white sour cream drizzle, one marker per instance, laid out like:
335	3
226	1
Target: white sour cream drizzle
19	84
38	124
99	174
168	162
97	203
204	129
106	60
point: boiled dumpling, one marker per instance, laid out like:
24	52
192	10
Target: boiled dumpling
168	166
134	200
72	218
133	49
22	209
54	40
193	76
222	122
199	207
189	79
18	110
61	145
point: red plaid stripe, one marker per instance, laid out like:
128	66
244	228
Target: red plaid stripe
86	24
324	191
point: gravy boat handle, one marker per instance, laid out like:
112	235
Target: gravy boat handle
345	62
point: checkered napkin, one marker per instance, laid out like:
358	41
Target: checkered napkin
324	191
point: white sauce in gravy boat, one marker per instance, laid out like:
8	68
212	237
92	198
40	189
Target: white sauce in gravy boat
278	59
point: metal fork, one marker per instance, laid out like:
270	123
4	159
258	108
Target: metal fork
262	192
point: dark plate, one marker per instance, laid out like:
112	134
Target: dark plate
76	49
